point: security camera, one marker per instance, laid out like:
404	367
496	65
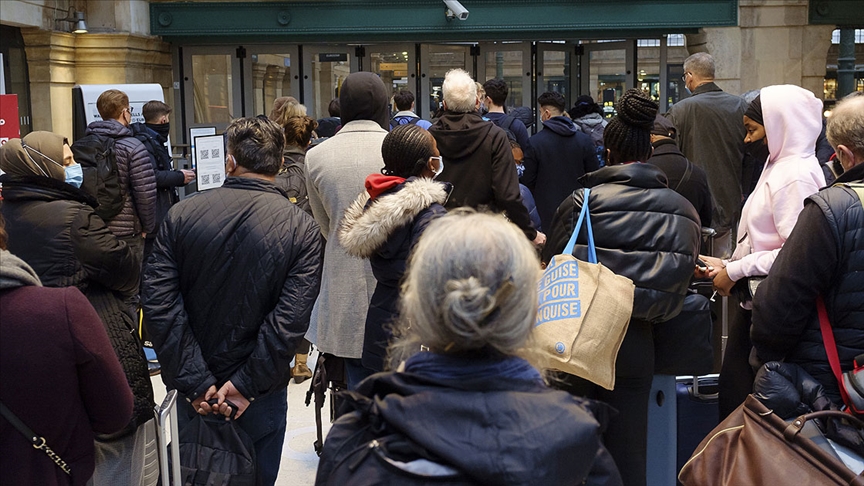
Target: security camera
455	10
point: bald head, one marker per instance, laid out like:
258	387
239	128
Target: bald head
845	130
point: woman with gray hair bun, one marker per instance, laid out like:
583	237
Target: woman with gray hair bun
466	405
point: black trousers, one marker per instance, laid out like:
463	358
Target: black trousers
626	436
736	374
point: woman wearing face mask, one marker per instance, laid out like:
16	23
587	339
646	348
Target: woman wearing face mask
53	228
788	120
385	222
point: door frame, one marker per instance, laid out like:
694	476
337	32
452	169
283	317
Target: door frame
188	86
249	92
629	47
308	53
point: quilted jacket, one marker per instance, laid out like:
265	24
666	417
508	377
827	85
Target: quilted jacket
229	288
642	230
136	178
53	228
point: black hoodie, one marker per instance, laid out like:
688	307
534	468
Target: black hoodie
364	97
479	164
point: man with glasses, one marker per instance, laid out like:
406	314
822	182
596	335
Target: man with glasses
711	135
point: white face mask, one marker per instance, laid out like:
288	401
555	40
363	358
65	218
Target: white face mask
438	172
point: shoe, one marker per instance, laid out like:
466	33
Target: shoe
300	371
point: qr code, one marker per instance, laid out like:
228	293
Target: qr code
217	178
205	179
214	153
205	154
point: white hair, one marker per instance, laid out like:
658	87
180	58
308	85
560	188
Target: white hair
846	124
471	285
460	91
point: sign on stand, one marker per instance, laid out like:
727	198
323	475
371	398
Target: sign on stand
9	124
210	156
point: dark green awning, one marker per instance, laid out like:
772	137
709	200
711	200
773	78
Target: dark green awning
424	20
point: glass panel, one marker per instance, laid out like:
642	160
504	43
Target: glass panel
211	77
329	70
271	78
507	65
556	74
393	68
607	77
443	58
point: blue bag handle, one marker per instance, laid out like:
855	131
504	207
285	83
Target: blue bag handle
585	214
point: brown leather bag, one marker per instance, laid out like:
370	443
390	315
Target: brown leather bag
754	446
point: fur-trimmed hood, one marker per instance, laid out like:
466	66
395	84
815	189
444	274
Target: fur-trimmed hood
367	225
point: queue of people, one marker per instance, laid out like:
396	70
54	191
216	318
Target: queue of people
405	249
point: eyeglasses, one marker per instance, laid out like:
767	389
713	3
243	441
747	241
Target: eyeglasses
684	78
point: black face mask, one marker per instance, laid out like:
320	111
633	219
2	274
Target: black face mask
758	150
161	128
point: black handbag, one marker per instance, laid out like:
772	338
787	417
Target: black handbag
682	345
216	451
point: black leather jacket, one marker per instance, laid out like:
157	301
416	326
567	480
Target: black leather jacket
642	230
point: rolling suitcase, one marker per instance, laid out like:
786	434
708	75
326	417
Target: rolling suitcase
166	432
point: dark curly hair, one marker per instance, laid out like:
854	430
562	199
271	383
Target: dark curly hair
406	150
628	134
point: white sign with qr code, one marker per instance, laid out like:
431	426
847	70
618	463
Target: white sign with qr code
210	157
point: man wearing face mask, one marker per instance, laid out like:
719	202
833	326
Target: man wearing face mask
153	133
53	227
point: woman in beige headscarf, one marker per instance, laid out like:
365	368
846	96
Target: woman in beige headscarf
52	227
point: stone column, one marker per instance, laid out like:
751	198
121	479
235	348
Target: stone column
51	63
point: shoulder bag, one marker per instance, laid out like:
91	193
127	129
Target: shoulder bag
37	440
584	311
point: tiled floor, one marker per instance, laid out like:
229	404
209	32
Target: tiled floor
299	460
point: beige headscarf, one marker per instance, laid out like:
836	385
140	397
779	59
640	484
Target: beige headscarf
27	157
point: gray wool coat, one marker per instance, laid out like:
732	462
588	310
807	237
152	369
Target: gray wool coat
336	171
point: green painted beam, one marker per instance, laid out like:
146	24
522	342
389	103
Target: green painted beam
424	20
837	12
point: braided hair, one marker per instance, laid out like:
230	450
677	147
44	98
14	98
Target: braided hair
406	150
628	135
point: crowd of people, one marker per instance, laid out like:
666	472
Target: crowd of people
411	250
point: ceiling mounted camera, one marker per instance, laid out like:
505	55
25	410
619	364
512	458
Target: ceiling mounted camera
455	10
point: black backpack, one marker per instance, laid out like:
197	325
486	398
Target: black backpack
395	123
98	161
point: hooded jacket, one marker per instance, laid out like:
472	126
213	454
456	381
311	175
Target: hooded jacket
824	256
593	125
335	173
385	230
229	288
711	135
137	180
498	430
480	165
556	158
793	121
60	377
53	228
642	230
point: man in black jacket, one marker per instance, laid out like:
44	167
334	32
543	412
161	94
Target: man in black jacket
556	158
477	156
229	290
153	133
683	176
823	257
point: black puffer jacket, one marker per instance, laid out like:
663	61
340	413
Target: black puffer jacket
167	179
53	228
479	164
292	178
824	255
137	180
229	288
642	230
695	188
385	230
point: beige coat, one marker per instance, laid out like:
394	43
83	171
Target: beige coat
335	173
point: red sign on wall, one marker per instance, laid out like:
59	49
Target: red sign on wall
9	124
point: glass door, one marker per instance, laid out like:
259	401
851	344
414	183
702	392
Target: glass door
607	70
510	61
212	88
396	64
435	61
270	72
324	70
555	71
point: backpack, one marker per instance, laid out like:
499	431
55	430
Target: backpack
292	180
395	123
98	160
523	114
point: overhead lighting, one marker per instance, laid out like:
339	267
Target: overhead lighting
79	26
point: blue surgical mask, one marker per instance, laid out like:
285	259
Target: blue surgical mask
74	175
438	172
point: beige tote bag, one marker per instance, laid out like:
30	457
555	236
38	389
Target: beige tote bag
584	310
